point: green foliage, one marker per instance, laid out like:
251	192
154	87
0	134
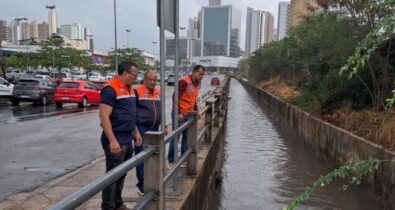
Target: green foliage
324	43
312	53
55	53
359	170
18	61
368	58
133	54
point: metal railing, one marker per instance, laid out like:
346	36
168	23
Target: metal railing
153	156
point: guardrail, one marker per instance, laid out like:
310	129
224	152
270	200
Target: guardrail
153	156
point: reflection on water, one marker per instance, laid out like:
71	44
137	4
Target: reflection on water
264	167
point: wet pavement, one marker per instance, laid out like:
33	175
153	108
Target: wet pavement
38	144
265	166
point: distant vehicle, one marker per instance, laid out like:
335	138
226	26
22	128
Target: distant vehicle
13	73
5	88
110	75
60	77
78	75
77	91
35	90
101	84
41	75
215	81
94	76
170	79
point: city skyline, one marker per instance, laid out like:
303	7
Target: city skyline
101	23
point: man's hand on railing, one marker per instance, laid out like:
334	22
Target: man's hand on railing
180	117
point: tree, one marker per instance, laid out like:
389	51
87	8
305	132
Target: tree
54	54
373	55
18	61
133	54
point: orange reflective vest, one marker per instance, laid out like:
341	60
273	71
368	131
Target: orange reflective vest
148	106
188	98
123	116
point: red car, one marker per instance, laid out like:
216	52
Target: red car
77	91
215	81
101	84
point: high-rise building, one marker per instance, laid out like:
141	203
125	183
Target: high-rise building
68	31
9	34
43	30
221	31
188	47
86	33
284	18
214	3
52	20
300	8
25	31
259	30
3	27
33	28
74	31
194	28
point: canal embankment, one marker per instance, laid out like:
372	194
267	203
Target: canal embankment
331	142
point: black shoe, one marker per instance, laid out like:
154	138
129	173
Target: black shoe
140	189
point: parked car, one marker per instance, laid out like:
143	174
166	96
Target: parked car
5	88
110	75
42	75
215	81
35	90
101	84
13	73
77	91
94	76
78	75
170	79
60	77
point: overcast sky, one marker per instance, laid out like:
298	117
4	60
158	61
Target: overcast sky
137	15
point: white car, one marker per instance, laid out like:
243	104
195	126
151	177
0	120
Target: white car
110	75
14	73
94	76
5	88
78	75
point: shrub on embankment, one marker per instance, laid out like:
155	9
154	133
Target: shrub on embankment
337	65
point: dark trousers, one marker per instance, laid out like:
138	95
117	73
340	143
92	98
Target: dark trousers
137	150
184	140
112	195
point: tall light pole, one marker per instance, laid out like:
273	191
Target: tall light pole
182	30
127	37
115	33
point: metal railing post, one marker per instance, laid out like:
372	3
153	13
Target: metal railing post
217	109
192	134
208	118
154	169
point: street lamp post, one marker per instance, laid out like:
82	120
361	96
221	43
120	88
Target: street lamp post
115	33
127	37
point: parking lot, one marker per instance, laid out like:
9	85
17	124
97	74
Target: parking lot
39	143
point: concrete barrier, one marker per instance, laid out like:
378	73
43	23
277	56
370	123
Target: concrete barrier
329	141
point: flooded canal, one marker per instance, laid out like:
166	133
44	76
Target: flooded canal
265	167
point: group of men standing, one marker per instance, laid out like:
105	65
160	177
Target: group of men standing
126	113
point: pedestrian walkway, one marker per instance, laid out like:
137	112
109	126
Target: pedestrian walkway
55	190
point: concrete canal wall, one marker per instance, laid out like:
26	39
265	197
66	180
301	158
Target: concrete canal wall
329	141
